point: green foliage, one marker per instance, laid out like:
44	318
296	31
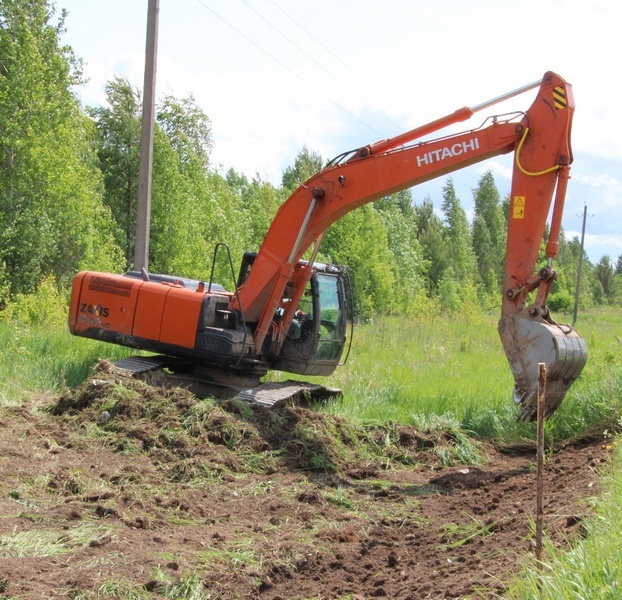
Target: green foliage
51	217
592	568
118	127
187	128
430	237
489	232
407	263
560	301
46	307
449	292
192	210
567	266
616	296
360	240
457	237
605	274
258	202
307	164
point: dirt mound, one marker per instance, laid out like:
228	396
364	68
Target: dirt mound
119	489
174	427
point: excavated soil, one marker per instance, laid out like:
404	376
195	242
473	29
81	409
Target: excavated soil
118	489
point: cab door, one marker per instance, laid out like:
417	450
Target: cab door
317	336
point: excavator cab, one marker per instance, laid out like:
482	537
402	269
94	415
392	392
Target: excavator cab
317	334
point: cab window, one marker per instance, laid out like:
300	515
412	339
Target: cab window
331	318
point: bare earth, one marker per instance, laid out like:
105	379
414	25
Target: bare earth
162	491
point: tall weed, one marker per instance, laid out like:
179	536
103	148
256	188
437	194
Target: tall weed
37	352
46	308
593	567
401	369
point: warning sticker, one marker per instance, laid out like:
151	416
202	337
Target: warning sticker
518	209
559	97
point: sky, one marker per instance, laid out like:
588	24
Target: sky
334	75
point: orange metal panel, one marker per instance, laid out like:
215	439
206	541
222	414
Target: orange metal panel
74	303
149	310
181	317
106	302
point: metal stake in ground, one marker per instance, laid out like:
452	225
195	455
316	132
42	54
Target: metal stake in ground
540	459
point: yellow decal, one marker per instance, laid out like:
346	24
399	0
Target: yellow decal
559	97
518	209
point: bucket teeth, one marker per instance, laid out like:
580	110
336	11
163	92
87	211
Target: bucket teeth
529	340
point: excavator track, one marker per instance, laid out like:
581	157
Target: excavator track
166	371
276	394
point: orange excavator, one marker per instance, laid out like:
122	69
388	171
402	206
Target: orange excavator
290	314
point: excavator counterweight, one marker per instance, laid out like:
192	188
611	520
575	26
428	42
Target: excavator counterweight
290	314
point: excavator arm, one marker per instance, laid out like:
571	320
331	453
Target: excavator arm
528	333
540	140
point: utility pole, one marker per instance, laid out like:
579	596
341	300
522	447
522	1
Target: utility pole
578	286
143	218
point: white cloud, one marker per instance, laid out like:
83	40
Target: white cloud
597	245
599	180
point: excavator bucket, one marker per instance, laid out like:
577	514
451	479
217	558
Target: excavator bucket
529	339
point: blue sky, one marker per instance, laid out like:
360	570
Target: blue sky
274	75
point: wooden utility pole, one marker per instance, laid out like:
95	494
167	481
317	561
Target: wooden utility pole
143	217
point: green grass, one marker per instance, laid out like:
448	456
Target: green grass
44	359
593	567
426	372
416	372
408	370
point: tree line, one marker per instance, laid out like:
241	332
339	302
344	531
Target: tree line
69	182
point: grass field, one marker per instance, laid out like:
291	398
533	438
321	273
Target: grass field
422	371
409	371
431	373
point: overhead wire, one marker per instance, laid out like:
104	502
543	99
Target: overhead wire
301	78
284	66
319	43
462	177
311	58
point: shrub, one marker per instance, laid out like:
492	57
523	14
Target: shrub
48	306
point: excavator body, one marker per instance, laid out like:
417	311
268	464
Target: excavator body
290	314
201	343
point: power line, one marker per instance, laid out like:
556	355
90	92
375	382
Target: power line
402	112
399	109
457	176
461	177
284	66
